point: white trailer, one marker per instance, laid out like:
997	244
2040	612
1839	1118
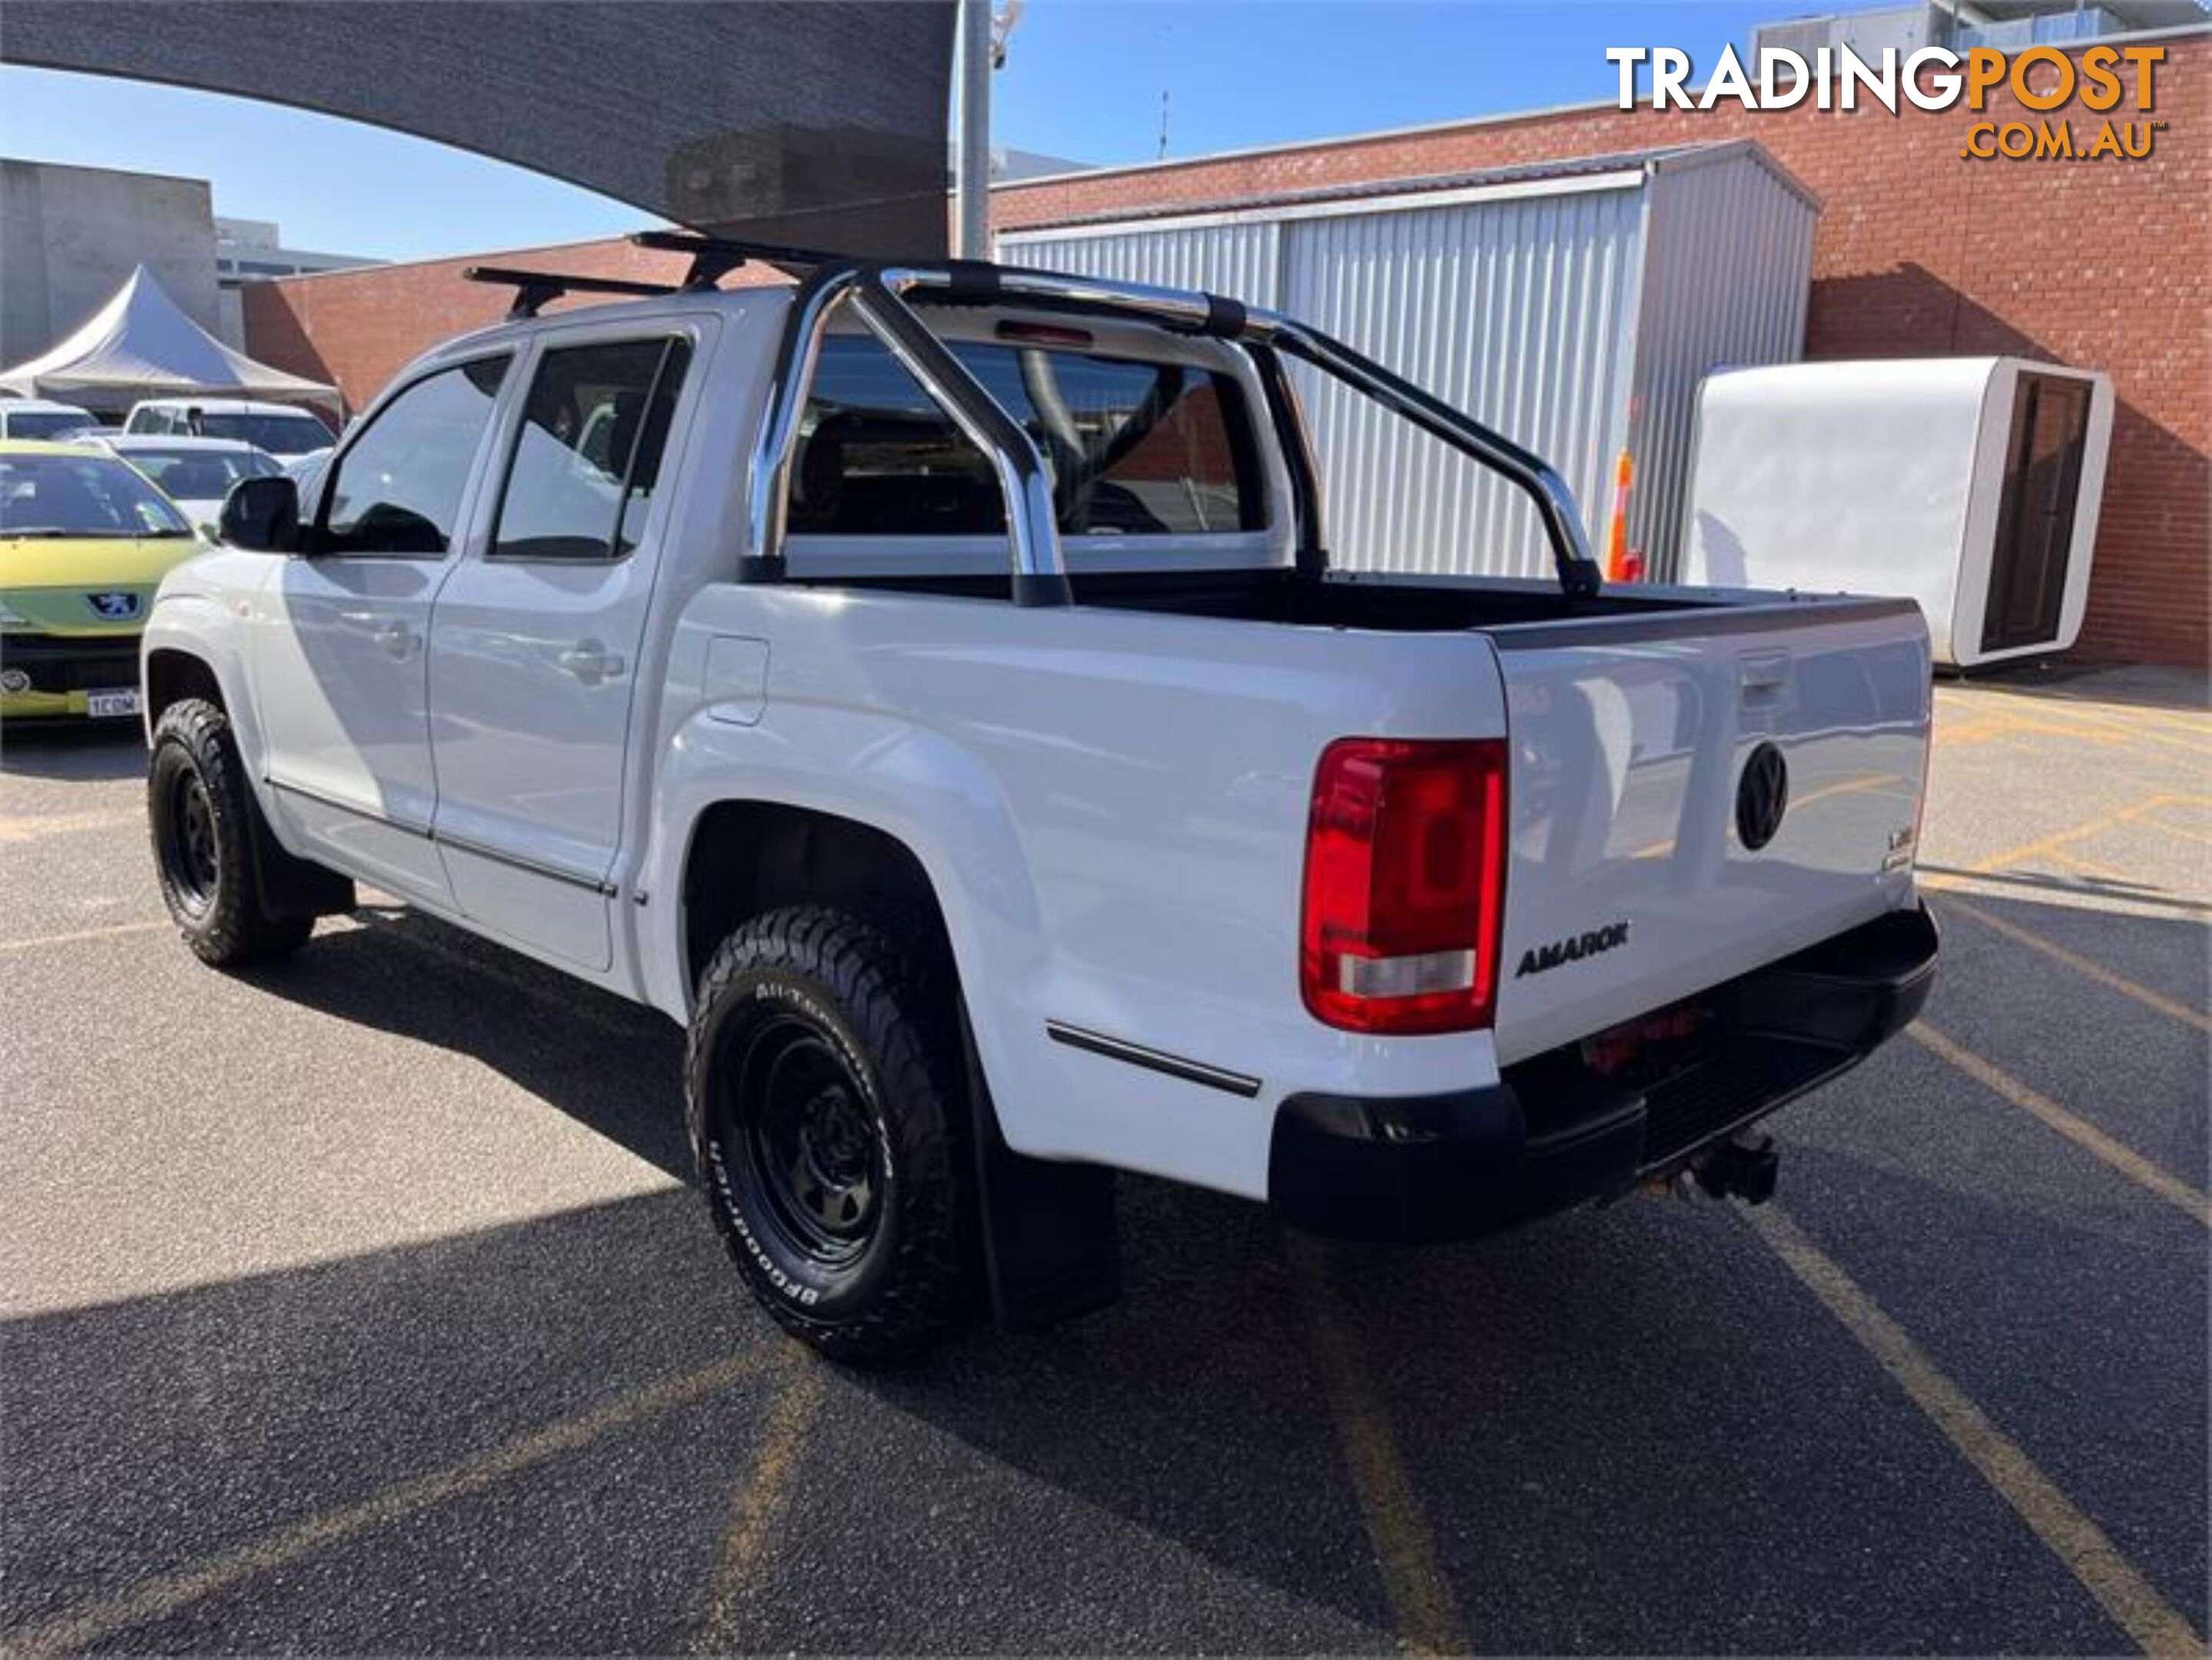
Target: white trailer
1971	485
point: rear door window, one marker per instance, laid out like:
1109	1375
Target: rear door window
1135	448
586	461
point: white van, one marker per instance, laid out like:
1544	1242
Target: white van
37	418
279	429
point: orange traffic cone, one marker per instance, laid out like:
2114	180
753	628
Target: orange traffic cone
1622	564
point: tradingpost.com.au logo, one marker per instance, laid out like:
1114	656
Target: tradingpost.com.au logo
1934	78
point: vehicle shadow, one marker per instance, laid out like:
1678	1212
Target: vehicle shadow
1626	1429
78	751
611	1065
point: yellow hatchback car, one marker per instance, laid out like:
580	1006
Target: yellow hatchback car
84	541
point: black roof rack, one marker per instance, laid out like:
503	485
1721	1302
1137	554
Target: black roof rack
532	288
713	258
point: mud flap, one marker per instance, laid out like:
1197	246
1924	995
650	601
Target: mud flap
292	886
1051	1237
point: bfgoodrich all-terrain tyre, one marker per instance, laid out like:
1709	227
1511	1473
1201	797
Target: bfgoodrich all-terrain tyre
824	1078
206	825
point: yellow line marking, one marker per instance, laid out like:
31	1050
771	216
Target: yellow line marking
2092	1557
2110	875
2180	829
2123	717
2188	720
1986	727
1422	1607
2027	850
158	1598
2084	1134
2128	728
2081	965
759	1501
29	827
44	939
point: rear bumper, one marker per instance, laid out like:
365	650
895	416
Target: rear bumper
61	670
1554	1134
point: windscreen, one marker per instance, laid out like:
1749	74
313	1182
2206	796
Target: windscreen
44	423
1135	447
65	496
280	434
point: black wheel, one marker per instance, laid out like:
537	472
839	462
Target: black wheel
824	1078
204	822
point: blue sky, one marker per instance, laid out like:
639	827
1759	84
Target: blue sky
1084	80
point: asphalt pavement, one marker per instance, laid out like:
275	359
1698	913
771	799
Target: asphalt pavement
361	1304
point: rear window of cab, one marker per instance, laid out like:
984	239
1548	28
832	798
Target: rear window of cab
1135	448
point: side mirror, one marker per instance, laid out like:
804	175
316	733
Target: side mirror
262	514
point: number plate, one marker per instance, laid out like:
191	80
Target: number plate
105	705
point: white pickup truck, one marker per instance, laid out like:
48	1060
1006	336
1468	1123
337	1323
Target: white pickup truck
956	724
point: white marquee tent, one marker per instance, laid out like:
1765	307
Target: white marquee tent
142	344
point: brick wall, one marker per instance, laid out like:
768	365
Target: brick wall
356	329
1918	251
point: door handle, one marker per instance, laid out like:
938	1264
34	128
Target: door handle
590	661
396	637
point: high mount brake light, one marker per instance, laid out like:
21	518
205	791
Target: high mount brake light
1404	886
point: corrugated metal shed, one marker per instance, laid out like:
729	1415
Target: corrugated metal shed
1574	306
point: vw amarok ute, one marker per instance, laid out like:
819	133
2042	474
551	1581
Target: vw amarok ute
929	686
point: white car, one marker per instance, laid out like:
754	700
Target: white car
195	473
39	418
280	429
929	686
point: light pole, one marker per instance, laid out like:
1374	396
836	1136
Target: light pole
972	136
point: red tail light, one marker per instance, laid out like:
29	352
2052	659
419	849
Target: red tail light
1404	885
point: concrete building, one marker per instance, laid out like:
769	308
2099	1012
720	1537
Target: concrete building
70	237
1918	250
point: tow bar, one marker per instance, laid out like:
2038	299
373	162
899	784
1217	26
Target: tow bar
1742	1167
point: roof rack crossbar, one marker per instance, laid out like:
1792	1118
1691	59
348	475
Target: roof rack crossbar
532	288
722	254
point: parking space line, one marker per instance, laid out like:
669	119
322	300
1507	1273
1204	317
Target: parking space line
1422	1607
2167	824
2190	721
2084	1134
2131	729
40	941
2112	820
760	1498
165	1593
2089	1554
2105	725
2081	965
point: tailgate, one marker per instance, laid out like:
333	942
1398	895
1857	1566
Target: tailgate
1650	755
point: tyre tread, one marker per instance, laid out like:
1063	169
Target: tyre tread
885	989
236	930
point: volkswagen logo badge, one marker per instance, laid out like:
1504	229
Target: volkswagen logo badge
116	607
1762	796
